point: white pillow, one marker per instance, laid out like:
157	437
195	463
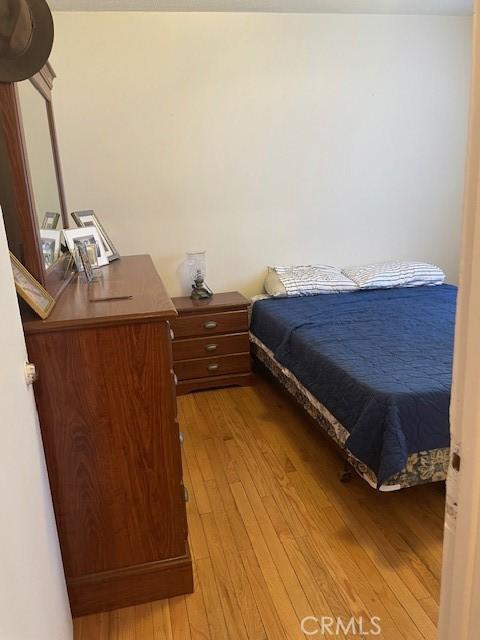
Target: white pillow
306	280
273	285
387	275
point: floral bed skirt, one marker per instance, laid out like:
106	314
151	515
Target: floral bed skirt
421	468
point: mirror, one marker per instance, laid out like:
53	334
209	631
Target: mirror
43	177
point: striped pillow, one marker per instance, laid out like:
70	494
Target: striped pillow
306	280
387	275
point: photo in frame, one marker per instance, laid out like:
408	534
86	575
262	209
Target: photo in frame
50	220
89	219
93	243
85	260
50	243
31	290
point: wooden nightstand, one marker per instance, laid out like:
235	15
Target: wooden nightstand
211	346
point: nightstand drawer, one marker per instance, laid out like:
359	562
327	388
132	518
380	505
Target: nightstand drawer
211	324
211	346
208	367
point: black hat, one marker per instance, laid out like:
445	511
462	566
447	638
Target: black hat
26	38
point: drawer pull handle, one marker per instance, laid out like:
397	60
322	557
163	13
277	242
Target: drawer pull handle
175	379
172	334
210	324
186	495
211	347
181	437
213	367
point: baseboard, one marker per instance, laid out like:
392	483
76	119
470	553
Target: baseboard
130	585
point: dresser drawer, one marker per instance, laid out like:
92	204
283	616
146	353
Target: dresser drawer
208	367
211	324
211	346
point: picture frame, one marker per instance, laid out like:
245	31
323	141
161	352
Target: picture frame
88	218
31	290
85	260
94	245
50	244
50	220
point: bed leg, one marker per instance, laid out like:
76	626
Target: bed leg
345	474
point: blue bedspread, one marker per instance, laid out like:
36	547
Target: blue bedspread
380	361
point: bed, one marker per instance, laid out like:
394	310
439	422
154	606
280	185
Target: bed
373	368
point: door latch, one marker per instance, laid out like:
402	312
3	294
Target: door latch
456	460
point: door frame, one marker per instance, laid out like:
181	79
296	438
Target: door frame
460	592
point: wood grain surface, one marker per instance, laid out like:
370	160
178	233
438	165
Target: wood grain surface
211	345
193	325
214	366
133	276
111	444
106	401
275	536
230	300
203	347
212	382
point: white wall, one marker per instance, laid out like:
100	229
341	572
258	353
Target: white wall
33	599
265	138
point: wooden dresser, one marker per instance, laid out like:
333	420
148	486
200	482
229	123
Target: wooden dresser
211	346
107	407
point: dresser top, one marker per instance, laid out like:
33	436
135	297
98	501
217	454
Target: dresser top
218	302
133	276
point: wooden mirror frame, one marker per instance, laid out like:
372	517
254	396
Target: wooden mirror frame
20	185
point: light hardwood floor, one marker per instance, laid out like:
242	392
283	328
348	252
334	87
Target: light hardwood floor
276	537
